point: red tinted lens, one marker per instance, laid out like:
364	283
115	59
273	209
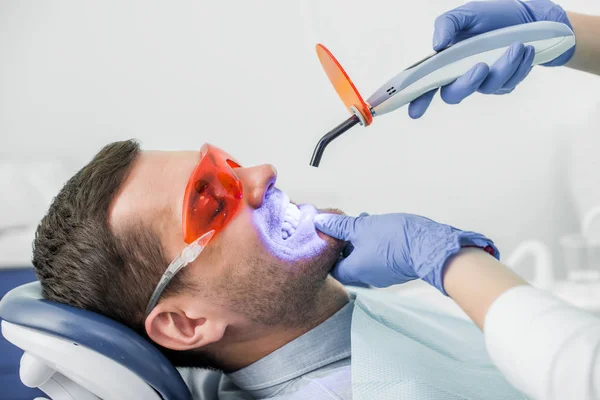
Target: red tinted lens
213	194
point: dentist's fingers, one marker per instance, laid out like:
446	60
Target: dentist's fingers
503	69
523	69
342	271
500	78
465	85
337	226
448	26
418	106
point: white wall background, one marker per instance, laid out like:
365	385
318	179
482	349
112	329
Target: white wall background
243	75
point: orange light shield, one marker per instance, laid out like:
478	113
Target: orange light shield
342	84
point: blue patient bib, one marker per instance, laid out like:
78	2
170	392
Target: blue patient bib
403	349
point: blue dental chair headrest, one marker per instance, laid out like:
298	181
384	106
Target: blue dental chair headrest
25	307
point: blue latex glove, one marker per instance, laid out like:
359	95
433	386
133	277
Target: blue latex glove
396	248
505	74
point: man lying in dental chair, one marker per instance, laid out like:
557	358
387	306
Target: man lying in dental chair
216	267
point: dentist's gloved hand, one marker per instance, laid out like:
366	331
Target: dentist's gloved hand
504	75
396	248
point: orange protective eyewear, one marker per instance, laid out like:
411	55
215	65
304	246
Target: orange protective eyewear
212	198
212	195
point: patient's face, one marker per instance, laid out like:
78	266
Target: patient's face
268	264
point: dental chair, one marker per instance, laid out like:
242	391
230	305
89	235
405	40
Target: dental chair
79	355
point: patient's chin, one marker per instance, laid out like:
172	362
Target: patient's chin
327	257
273	292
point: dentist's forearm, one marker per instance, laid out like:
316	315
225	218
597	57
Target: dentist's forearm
587	50
544	347
474	280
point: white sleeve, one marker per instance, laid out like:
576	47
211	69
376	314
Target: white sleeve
543	346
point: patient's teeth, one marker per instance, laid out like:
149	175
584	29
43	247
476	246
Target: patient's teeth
292	210
292	215
286	226
296	211
291	220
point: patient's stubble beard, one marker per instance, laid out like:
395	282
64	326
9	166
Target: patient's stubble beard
273	292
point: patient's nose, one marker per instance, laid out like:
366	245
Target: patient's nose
257	181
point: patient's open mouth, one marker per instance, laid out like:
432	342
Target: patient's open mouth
291	220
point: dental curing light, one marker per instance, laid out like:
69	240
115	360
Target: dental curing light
549	39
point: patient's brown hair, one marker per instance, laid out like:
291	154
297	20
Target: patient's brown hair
81	262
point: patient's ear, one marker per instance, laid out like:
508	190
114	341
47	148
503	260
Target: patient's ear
182	327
